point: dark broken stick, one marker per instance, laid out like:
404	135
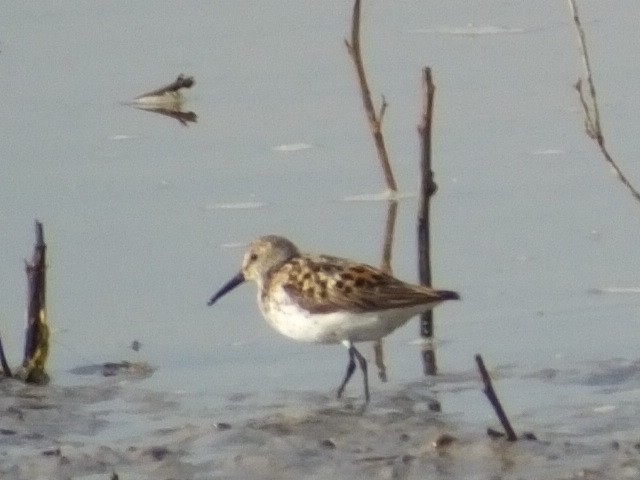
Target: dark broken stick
427	188
36	349
493	399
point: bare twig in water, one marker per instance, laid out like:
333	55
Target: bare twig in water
427	188
375	119
36	349
493	399
590	105
375	125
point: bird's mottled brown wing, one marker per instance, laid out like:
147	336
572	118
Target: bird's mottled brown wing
327	284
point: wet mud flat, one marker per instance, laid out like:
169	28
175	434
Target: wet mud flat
113	428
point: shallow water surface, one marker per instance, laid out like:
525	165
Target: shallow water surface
145	218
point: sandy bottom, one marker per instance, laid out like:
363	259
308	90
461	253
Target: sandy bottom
115	429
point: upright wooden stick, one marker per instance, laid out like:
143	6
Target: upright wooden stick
36	349
427	188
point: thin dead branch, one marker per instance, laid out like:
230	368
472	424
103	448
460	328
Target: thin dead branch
590	104
375	119
493	399
375	125
427	188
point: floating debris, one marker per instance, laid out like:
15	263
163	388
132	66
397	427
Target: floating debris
168	95
168	100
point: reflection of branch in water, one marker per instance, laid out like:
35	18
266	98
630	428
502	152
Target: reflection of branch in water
392	213
375	120
591	111
427	188
183	117
387	249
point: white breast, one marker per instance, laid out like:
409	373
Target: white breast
289	319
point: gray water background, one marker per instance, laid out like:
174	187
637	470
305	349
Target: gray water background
527	223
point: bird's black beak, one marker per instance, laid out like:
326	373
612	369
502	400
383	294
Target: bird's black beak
230	285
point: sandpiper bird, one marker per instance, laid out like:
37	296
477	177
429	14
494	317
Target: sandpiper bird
326	299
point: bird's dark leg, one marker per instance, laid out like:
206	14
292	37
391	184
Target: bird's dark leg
363	366
353	354
350	369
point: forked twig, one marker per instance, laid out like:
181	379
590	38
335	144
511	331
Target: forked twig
375	125
375	119
590	107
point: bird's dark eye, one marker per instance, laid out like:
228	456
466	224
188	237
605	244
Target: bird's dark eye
253	257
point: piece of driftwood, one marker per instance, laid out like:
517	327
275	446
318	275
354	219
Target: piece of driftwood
36	348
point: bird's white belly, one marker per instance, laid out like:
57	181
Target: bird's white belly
289	319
